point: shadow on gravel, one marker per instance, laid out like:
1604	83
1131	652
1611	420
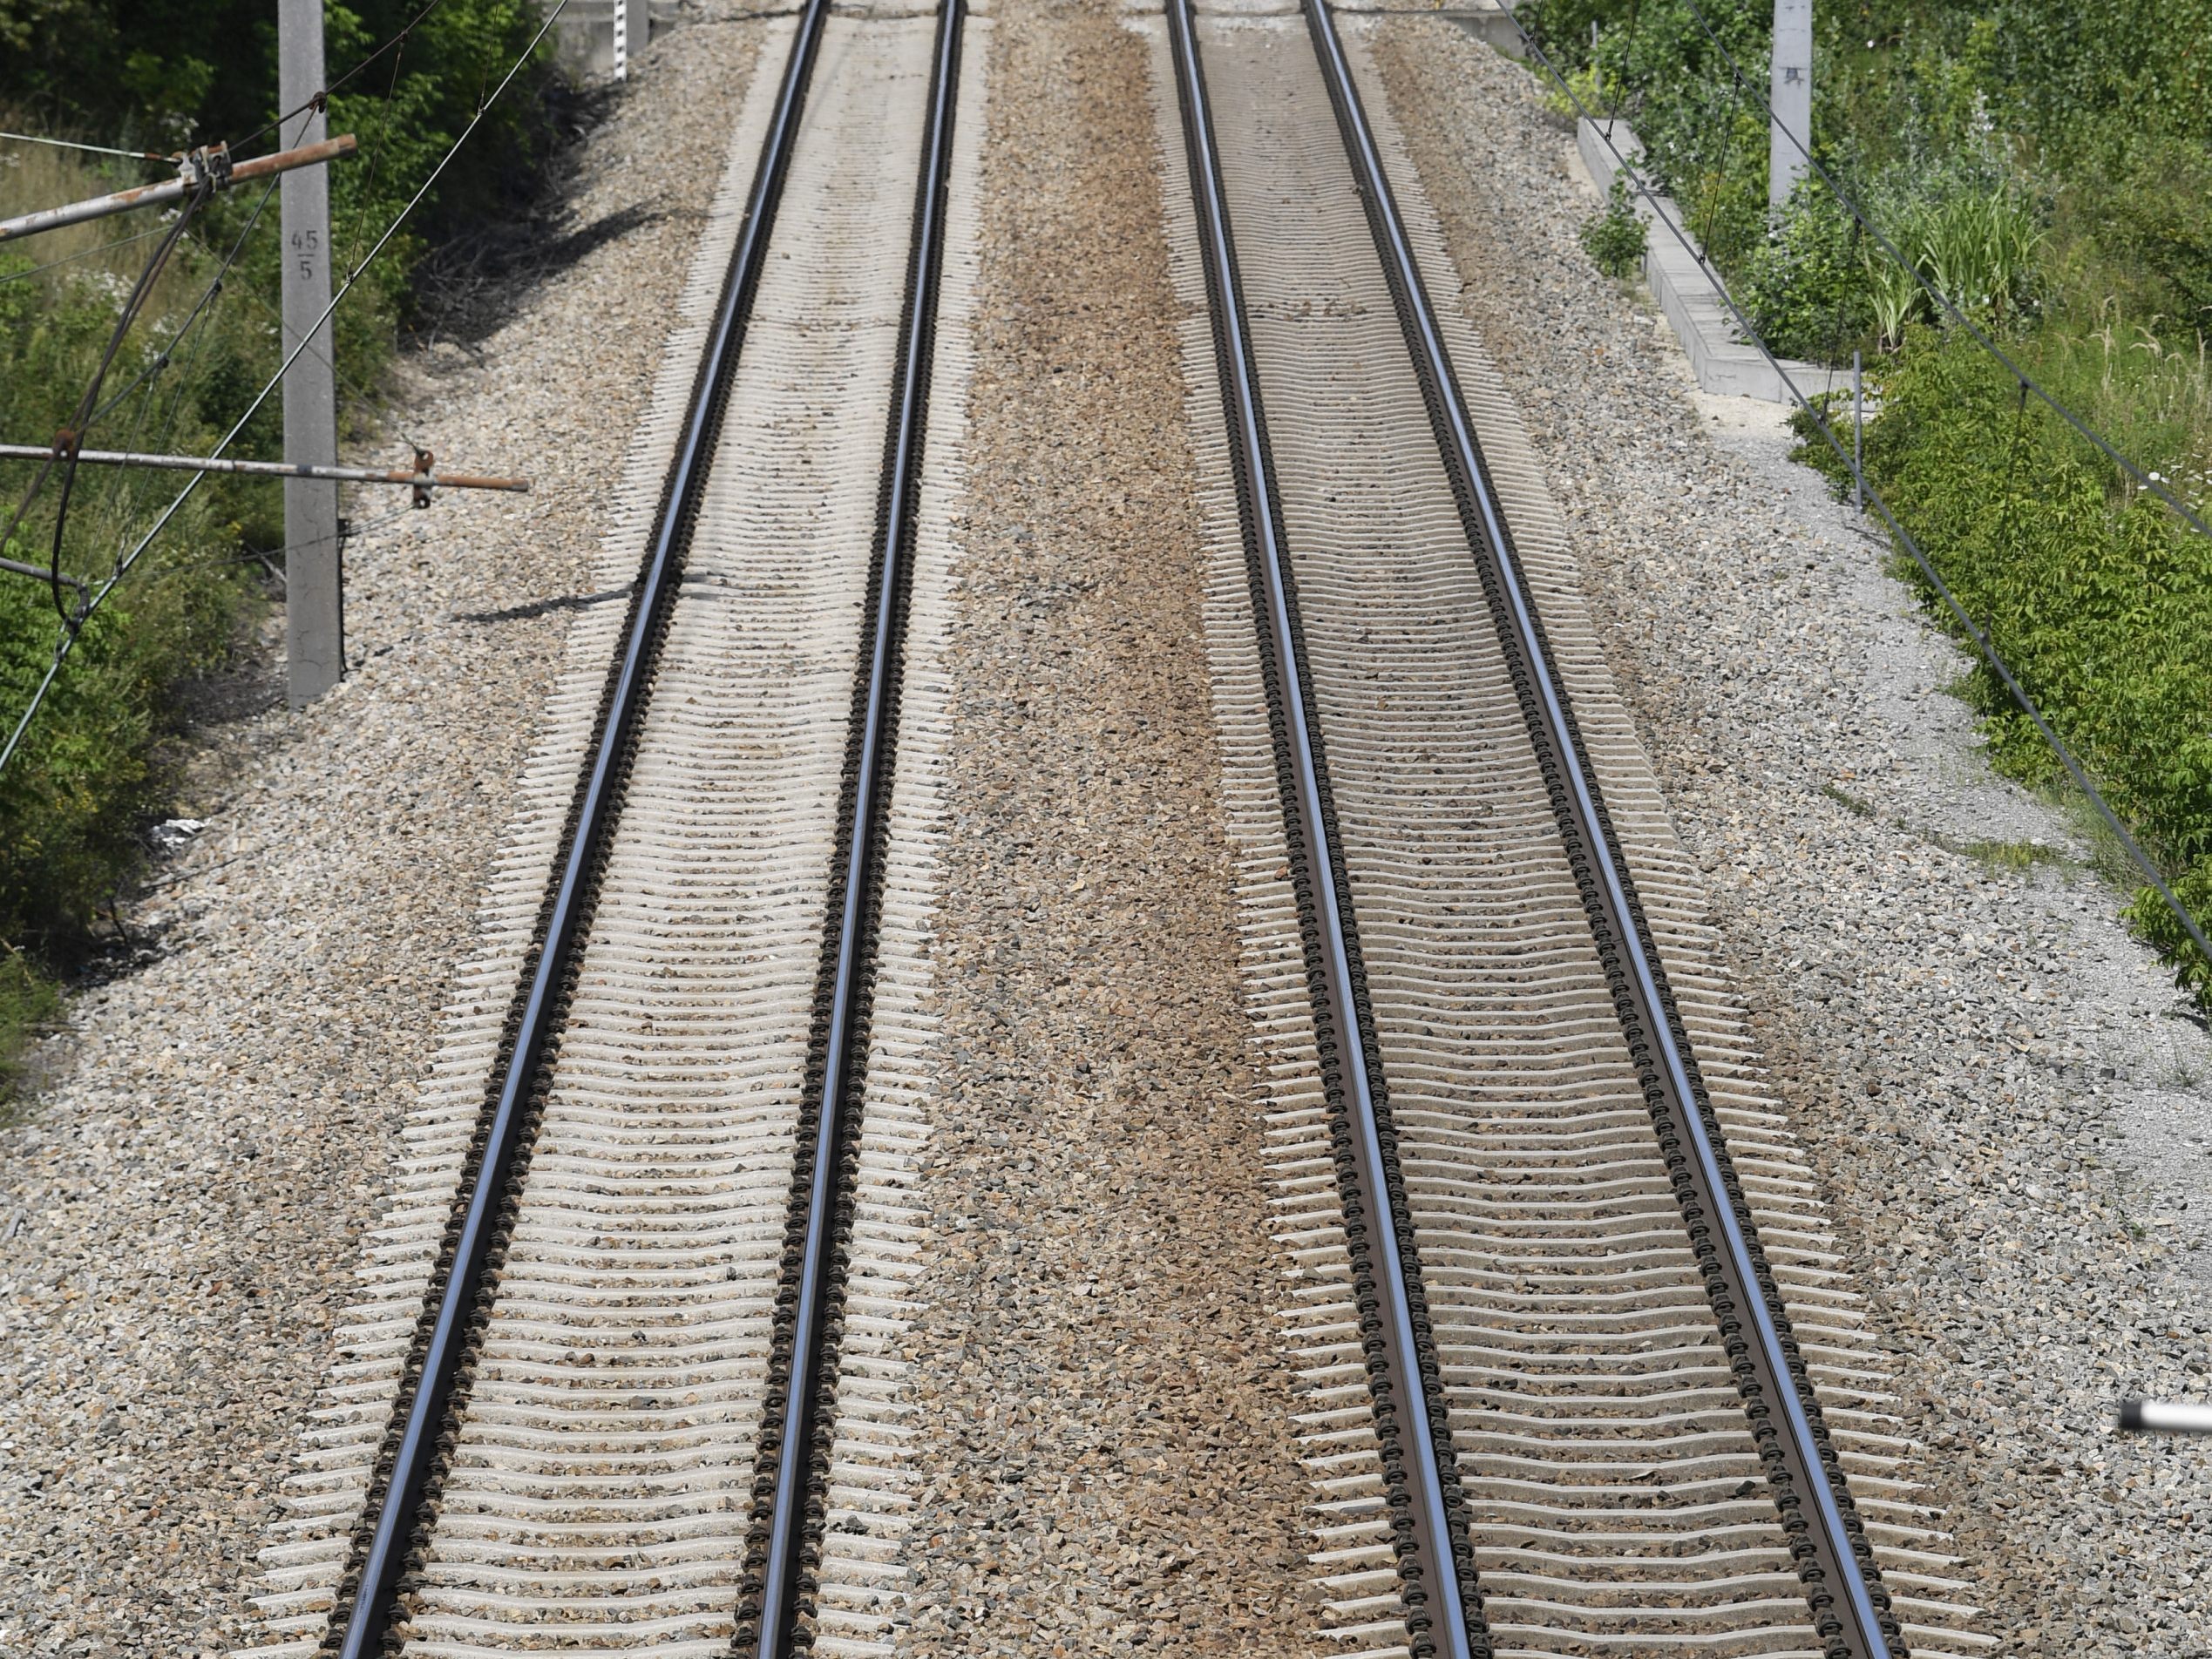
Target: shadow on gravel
542	607
465	288
470	287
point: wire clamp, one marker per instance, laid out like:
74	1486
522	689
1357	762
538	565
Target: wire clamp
424	458
204	169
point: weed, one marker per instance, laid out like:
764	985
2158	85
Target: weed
2014	855
1849	802
1615	239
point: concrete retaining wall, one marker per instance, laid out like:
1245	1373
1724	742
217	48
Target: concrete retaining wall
1687	290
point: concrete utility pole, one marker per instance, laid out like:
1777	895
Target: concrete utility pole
313	595
1790	93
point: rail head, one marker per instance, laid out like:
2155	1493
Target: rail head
386	1543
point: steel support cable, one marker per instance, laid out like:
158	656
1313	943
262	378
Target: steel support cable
391	1541
1438	1610
89	149
783	1599
25	275
2140	474
1836	1548
64	452
1983	644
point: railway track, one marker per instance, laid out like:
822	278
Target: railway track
644	1404
1580	1371
1584	1379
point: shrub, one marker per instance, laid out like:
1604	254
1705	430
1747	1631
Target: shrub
2100	598
1805	288
1615	239
2156	217
76	798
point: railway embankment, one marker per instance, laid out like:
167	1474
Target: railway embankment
1108	1363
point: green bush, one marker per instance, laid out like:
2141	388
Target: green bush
1805	288
1614	239
2155	222
75	801
2098	597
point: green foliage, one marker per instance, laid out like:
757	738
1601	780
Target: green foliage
1806	287
2151	918
2094	80
2097	596
2150	228
1614	239
75	800
2046	166
1656	65
30	1005
162	74
1981	253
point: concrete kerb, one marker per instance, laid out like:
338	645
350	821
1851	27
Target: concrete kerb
1685	286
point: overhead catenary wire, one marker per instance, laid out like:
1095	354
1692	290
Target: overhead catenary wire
124	565
2143	476
89	149
1983	645
322	94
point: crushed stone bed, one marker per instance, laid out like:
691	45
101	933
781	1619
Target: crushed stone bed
2000	1091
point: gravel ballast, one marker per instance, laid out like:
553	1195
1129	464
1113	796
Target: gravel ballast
2001	1087
1101	1387
184	1205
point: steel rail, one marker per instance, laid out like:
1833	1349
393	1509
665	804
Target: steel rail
392	1541
782	1602
1859	1613
1430	1569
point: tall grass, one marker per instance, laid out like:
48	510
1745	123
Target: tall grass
76	800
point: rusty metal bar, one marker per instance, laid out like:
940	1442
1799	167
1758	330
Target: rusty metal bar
425	478
211	166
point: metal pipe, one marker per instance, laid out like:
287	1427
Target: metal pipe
268	468
218	174
41	572
1673	1067
2164	1416
364	1624
1442	1613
